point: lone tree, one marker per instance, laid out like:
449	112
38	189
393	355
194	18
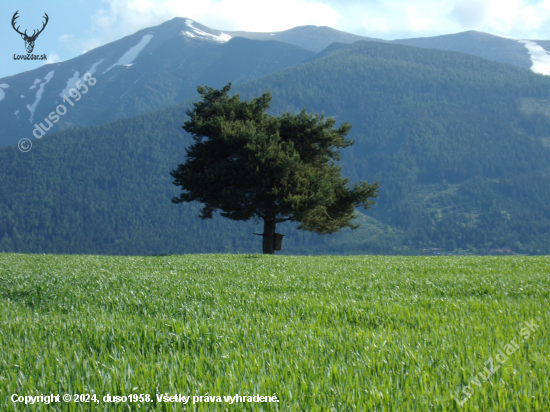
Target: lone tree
274	168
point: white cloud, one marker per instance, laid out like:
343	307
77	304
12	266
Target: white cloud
418	18
518	18
375	24
258	15
79	46
52	58
470	13
68	40
123	17
399	18
388	19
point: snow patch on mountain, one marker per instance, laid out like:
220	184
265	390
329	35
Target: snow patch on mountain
92	69
70	84
36	81
2	92
73	80
539	57
130	55
32	107
222	38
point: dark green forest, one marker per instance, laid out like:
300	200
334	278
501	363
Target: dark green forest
458	144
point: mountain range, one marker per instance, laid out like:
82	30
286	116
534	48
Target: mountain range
455	128
160	66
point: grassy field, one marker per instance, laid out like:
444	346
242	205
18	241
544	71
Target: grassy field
366	333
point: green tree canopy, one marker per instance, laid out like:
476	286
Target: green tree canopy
275	168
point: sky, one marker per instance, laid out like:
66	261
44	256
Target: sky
77	26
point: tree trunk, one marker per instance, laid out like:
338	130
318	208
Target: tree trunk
269	231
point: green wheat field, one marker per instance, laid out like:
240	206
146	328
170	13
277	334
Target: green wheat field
319	333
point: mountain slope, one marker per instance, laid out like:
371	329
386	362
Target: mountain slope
490	47
501	49
315	38
425	121
151	69
162	65
456	143
107	189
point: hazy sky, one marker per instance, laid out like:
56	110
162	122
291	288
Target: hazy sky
77	26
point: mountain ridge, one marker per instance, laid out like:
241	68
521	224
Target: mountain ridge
164	70
455	141
485	45
161	65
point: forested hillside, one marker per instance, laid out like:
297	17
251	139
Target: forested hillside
107	190
452	139
458	144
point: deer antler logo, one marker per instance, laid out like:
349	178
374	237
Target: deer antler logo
29	40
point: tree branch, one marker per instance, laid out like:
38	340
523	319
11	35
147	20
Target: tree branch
283	220
328	214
